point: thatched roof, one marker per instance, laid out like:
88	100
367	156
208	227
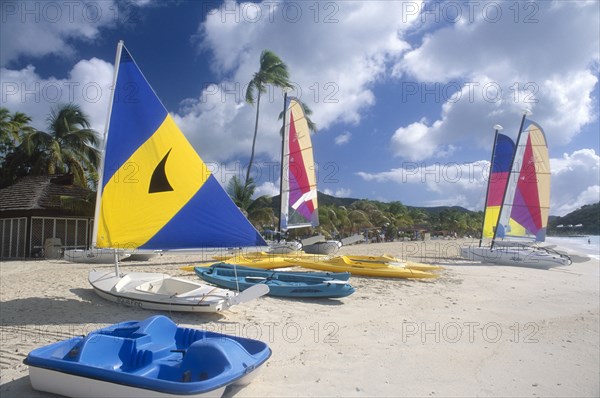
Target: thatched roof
40	193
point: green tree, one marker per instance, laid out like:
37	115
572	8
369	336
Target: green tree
272	71
312	126
257	210
241	193
12	127
69	146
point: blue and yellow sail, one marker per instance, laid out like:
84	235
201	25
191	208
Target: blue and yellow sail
499	171
155	192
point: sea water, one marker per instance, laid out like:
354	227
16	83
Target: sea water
578	244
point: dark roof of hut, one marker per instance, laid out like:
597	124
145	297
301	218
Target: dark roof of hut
40	192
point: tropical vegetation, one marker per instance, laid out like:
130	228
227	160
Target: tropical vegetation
68	146
272	71
585	220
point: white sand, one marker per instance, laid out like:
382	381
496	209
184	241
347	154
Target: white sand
476	331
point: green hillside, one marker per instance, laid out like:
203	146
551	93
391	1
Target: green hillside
587	216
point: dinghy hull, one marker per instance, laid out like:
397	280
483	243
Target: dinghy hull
94	256
155	291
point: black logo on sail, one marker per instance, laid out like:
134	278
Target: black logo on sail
159	181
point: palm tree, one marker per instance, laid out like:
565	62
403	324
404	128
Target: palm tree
272	71
69	146
258	211
12	128
241	194
312	126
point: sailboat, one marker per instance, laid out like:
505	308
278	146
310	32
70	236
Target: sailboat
299	206
156	193
517	202
298	183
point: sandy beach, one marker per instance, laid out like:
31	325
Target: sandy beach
478	330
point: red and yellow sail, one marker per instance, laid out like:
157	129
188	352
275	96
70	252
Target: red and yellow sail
525	210
299	184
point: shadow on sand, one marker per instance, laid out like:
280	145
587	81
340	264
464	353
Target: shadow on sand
91	309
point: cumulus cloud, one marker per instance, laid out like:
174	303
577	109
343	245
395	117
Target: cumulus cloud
446	182
338	193
575	181
37	28
87	84
486	71
334	77
40	28
267	188
343	138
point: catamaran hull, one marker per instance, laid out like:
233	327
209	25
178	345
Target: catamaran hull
197	297
515	256
285	247
325	248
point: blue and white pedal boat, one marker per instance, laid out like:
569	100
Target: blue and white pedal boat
150	358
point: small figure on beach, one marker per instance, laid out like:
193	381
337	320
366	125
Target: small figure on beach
589	241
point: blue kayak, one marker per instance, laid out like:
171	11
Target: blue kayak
153	357
342	276
281	283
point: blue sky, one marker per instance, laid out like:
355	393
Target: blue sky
405	94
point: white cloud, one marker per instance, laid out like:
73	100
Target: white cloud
38	28
464	182
343	138
575	181
267	188
220	129
88	84
333	76
41	28
338	193
497	69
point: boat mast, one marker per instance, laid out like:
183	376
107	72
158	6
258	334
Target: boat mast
281	168
99	186
497	128
526	112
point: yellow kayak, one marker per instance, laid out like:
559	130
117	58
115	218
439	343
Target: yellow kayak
261	263
386	259
344	264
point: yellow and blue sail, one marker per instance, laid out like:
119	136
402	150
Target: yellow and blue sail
299	184
156	193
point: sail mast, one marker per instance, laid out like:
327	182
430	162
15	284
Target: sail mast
510	176
281	204
99	185
497	128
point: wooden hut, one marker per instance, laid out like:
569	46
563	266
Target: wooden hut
38	208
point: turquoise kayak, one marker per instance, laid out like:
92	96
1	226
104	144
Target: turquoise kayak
280	283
